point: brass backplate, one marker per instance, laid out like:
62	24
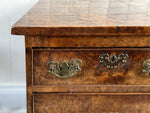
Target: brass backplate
65	70
114	61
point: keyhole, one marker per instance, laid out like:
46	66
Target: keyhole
113	58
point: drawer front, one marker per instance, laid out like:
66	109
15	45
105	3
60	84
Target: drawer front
90	103
91	41
92	71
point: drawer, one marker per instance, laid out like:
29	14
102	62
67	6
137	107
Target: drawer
91	103
91	41
94	70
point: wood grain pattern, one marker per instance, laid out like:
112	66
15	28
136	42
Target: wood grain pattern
92	73
91	103
61	30
91	88
91	41
86	17
29	74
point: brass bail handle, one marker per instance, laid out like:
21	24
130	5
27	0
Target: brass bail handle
65	70
114	61
146	66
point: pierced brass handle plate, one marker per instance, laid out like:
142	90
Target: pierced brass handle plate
114	61
146	66
65	70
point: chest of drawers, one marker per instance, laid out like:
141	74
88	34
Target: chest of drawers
87	56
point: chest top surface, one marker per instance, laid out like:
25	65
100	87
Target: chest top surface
86	17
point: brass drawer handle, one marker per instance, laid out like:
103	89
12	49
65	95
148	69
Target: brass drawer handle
65	70
146	66
114	61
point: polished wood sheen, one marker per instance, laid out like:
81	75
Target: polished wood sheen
92	73
58	30
86	17
91	103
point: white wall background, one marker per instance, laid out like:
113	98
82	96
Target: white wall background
12	55
12	48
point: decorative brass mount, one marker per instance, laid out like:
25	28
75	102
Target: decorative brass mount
65	70
112	62
146	66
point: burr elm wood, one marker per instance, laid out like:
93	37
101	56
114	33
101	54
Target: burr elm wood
91	41
92	73
86	17
91	103
58	30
